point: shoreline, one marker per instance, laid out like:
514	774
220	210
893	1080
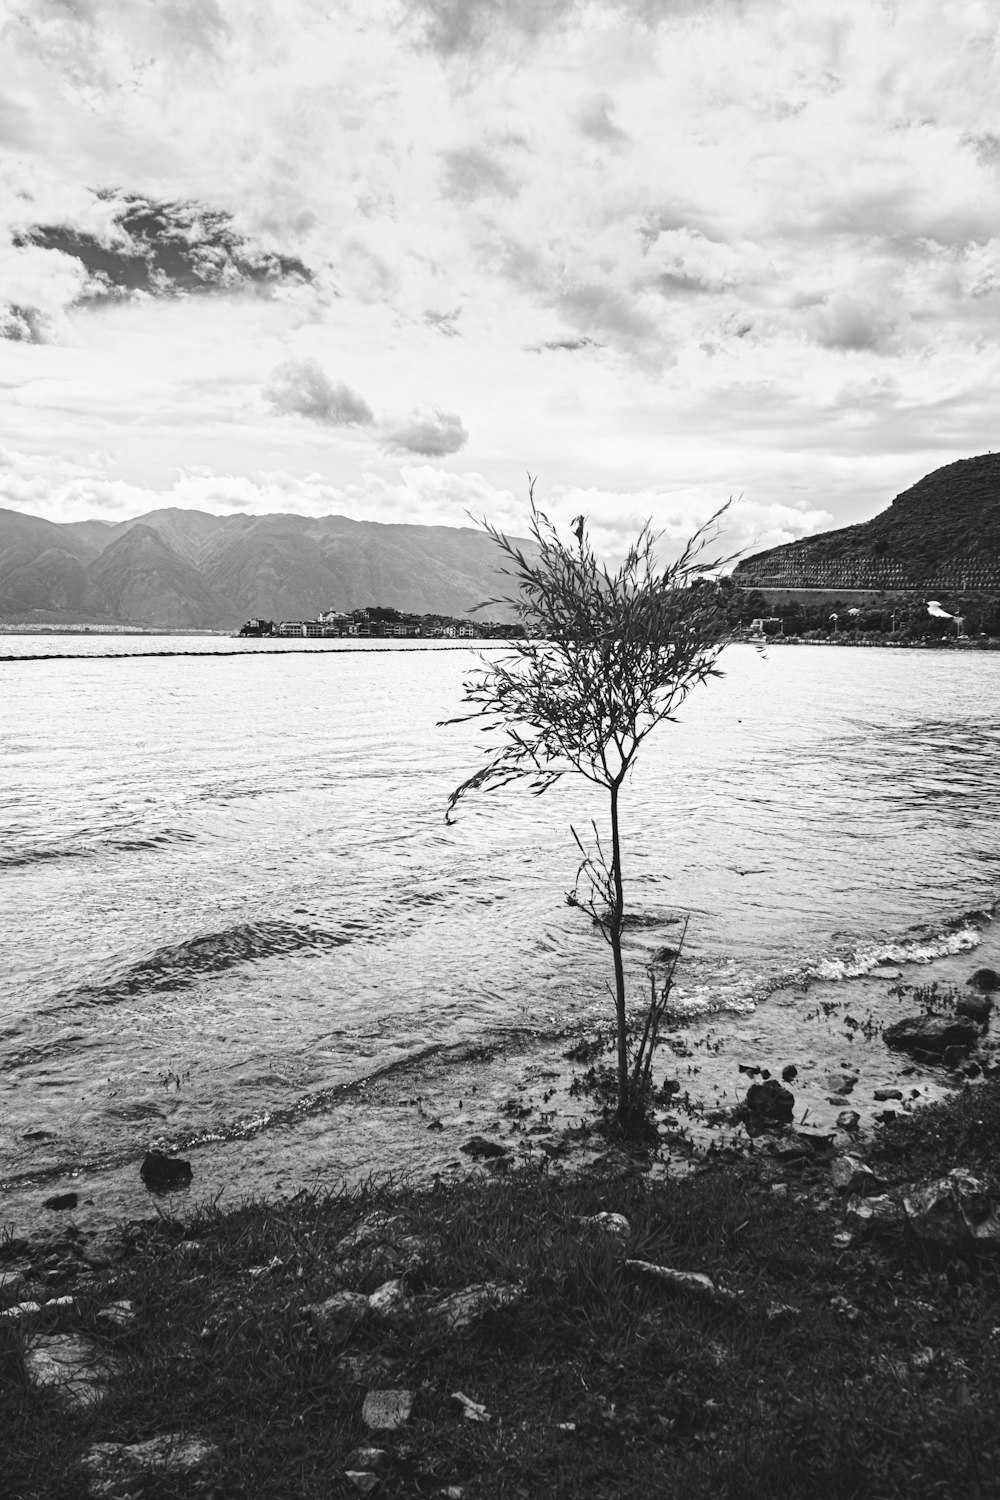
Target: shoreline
535	1102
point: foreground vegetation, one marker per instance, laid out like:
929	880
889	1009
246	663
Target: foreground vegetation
870	1370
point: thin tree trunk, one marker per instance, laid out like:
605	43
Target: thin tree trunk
615	933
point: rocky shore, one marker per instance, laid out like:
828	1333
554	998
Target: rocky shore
573	1314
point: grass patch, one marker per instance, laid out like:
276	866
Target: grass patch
883	1382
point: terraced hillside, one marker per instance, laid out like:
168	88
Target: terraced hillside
942	533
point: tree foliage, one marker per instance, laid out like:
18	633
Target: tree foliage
606	656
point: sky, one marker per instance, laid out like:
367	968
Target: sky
387	259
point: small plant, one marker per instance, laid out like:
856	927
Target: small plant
605	657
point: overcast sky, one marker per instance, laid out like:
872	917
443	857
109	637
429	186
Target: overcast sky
384	258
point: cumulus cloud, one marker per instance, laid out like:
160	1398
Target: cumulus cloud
302	386
721	224
427	430
596	122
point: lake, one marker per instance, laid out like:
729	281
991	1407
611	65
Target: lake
230	904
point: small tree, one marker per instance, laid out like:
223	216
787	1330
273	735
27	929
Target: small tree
606	656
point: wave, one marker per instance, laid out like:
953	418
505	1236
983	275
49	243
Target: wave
921	944
96	848
181	965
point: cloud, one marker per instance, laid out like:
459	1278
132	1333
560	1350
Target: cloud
427	430
302	386
472	173
141	249
596	122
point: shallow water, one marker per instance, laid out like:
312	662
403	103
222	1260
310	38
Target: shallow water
228	896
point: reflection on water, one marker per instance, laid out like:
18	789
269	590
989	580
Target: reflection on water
234	871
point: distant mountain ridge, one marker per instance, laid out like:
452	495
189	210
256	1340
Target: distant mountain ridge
188	569
943	533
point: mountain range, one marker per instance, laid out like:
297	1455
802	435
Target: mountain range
176	568
943	532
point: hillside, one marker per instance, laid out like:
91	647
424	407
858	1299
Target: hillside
942	533
184	568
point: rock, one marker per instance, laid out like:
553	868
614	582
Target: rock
385	1411
849	1174
69	1365
12	1279
790	1073
986	980
117	1314
479	1148
362	1480
882	1094
389	1303
782	1312
336	1319
160	1172
931	1035
841	1083
873	1215
977	1007
22	1310
462	1308
389	1257
612	1226
848	1120
61	1201
372	1459
770	1102
114	1469
954	1211
365	1369
693	1282
779	1190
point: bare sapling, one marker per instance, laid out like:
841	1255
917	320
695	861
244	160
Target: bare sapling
606	656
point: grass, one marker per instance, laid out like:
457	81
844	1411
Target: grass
884	1382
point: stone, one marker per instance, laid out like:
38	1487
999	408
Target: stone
362	1480
389	1303
117	1315
60	1201
873	1215
372	1459
365	1369
841	1083
986	980
114	1469
770	1102
12	1279
694	1282
789	1073
385	1411
930	1036
70	1366
779	1190
480	1149
883	1094
848	1120
336	1319
462	1308
976	1006
609	1225
389	1257
160	1172
953	1211
849	1174
21	1310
